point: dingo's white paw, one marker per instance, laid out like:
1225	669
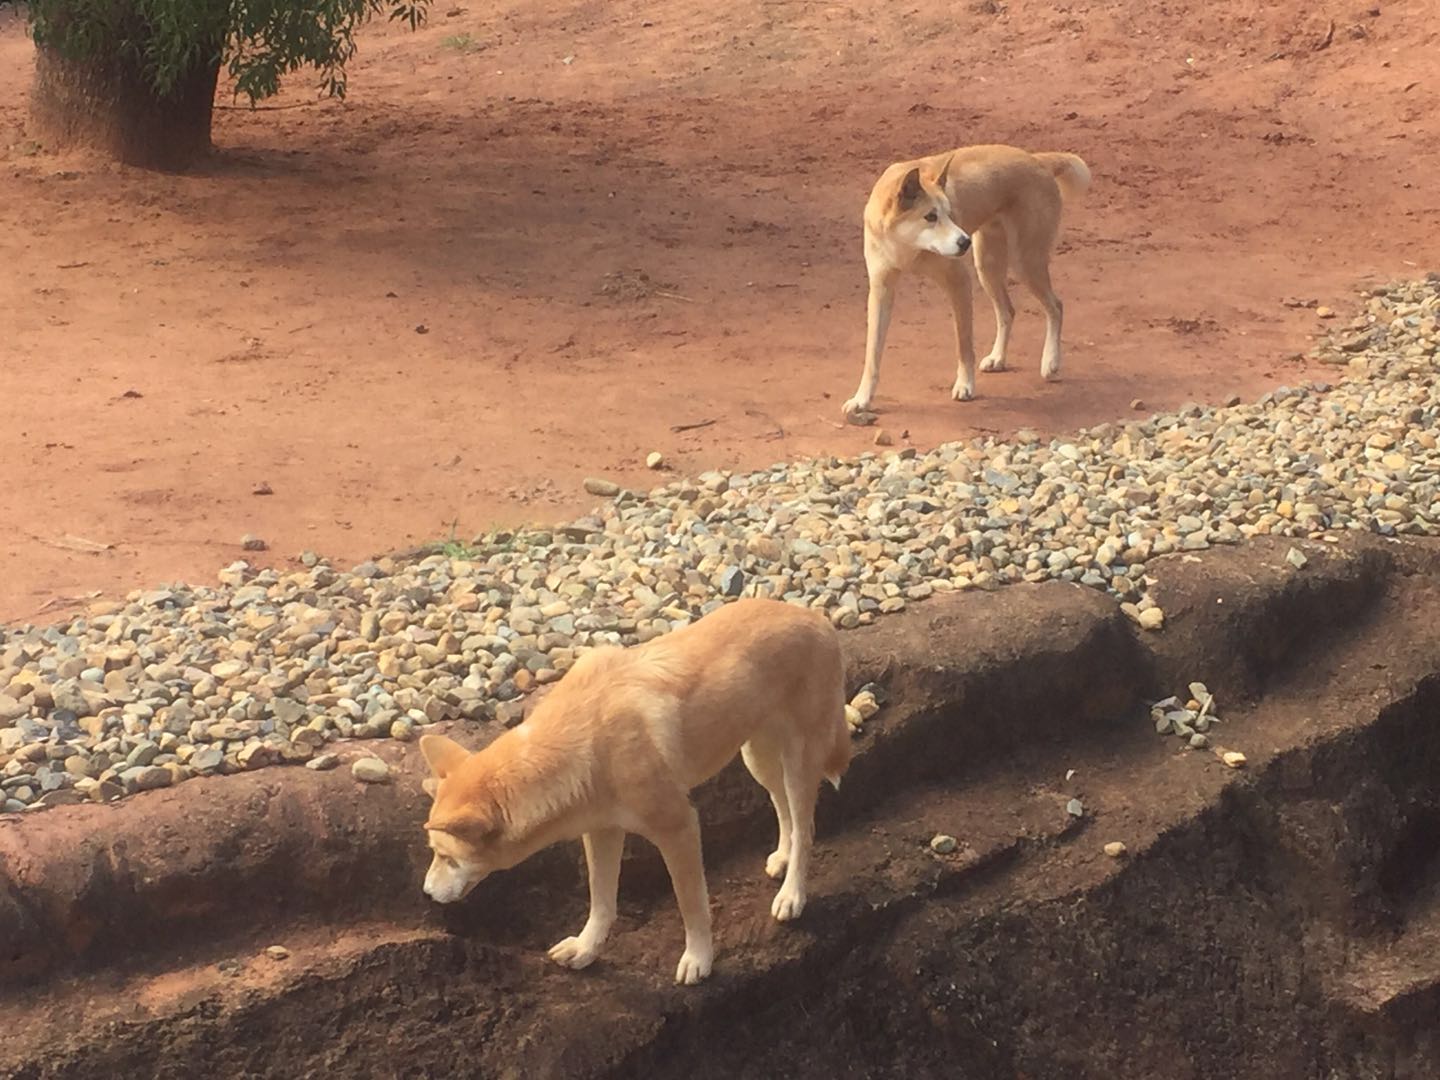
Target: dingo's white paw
993	363
964	390
789	903
776	863
693	967
574	952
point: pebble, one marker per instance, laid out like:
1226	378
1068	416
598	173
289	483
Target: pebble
1191	721
1234	759
1115	849
1151	619
655	460
865	704
941	844
322	762
1075	808
602	488
260	653
145	778
143	754
732	582
884	438
371	770
256	756
1296	558
251	542
277	952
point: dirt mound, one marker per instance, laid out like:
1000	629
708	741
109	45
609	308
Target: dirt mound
1276	920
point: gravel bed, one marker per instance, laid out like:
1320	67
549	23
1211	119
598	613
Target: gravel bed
272	667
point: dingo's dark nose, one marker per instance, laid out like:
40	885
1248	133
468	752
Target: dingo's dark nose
963	246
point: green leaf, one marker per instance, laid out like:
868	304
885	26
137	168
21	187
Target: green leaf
259	41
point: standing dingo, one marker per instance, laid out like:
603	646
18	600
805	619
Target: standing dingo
619	744
924	215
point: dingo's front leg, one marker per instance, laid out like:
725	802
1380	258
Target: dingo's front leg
877	323
603	850
680	847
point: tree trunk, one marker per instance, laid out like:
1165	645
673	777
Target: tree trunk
106	102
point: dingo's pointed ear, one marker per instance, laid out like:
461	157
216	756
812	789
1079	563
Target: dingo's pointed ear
944	172
910	190
443	755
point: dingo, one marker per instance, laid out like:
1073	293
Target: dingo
924	214
619	744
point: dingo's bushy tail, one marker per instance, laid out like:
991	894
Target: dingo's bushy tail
1071	173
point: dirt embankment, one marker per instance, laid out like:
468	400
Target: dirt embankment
1278	920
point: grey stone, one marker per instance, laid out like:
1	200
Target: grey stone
732	581
370	770
145	778
68	696
143	754
288	711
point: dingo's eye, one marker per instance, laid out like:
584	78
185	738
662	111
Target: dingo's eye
932	217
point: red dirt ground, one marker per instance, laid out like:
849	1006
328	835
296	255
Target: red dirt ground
172	343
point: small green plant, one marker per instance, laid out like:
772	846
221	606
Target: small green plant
452	547
463	43
458	549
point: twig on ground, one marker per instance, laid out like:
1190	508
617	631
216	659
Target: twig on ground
78	543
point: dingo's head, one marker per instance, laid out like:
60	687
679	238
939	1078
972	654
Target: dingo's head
465	824
917	213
